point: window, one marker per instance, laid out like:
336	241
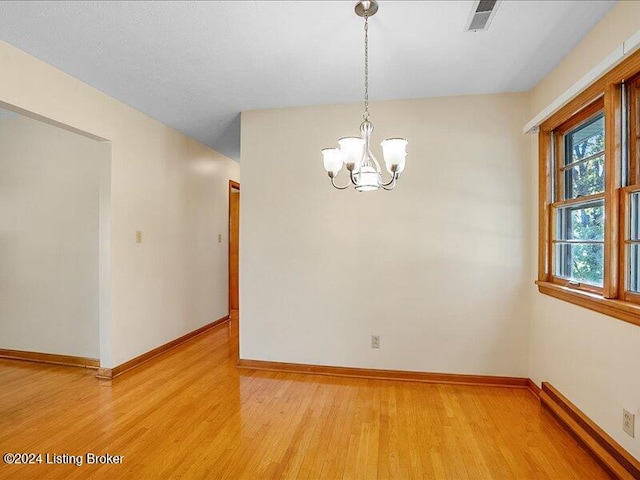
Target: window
589	197
578	215
630	222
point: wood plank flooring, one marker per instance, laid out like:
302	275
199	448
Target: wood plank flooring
191	414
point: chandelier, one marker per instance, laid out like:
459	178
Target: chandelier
355	152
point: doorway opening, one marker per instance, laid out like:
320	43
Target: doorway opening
234	257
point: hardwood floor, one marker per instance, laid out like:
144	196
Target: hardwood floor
191	414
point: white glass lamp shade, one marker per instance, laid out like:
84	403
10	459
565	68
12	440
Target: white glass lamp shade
352	149
394	151
332	160
368	179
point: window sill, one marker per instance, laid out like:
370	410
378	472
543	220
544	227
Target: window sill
626	311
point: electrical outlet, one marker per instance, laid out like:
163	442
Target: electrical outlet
375	341
138	236
628	422
219	238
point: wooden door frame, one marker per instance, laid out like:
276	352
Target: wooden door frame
232	185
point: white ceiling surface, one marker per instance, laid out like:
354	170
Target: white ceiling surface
196	65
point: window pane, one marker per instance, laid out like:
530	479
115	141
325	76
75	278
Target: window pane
633	252
585	178
634	268
585	145
581	222
580	262
586	140
634	220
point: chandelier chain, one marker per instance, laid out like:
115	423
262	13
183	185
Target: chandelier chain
366	67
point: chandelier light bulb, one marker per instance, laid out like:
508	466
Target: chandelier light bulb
352	149
394	151
332	160
364	170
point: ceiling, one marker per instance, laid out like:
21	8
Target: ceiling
196	65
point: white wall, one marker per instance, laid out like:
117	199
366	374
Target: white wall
49	238
439	267
591	358
169	186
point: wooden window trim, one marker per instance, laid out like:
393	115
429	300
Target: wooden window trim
613	299
612	148
631	297
579	287
625	70
572	201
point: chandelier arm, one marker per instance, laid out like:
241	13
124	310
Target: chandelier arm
389	186
333	182
394	177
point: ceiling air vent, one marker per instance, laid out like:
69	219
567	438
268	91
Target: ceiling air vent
481	15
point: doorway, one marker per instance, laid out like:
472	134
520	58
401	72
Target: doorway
234	249
234	237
